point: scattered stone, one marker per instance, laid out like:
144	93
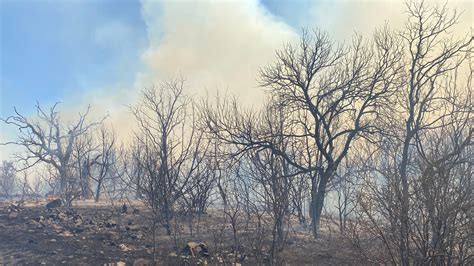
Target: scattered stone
202	262
13	215
35	223
61	216
66	234
53	240
195	249
124	247
54	204
56	227
135	211
110	223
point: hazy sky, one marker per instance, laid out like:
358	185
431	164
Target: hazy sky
103	52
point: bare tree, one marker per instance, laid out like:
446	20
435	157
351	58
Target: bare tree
270	192
168	150
198	195
346	188
431	58
200	192
7	179
232	200
269	176
420	170
442	196
49	140
102	166
82	152
299	195
332	95
116	185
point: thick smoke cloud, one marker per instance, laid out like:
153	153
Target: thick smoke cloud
219	46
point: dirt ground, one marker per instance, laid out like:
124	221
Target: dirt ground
104	235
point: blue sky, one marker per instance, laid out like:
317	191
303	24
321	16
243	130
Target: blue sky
52	49
295	13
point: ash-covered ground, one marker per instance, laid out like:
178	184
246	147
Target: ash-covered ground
94	234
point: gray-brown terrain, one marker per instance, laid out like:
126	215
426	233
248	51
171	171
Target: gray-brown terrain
100	235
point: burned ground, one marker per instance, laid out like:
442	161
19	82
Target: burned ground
98	235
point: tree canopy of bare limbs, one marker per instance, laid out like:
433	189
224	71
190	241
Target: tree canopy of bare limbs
99	163
332	95
104	167
7	179
168	150
424	155
50	140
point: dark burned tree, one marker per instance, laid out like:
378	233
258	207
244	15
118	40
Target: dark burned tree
167	148
430	58
339	91
96	158
82	151
50	140
270	179
103	166
332	95
7	179
442	201
270	192
199	192
345	189
421	170
197	198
